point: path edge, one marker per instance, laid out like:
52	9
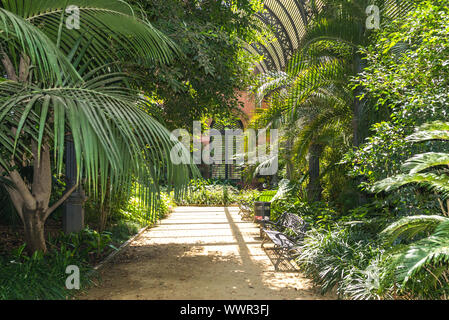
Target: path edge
122	246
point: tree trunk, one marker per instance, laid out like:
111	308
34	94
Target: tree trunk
34	223
32	204
314	187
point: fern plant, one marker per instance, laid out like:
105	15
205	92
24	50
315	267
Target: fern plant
422	266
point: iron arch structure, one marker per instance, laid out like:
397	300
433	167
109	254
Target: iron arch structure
287	19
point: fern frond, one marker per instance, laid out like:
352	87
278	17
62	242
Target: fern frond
430	251
409	227
438	183
424	161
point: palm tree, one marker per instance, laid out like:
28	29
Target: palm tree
343	23
311	104
319	73
61	80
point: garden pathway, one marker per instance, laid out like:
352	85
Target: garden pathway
200	253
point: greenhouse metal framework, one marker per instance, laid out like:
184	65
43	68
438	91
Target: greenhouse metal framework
288	20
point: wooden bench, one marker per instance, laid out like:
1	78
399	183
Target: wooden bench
286	235
246	209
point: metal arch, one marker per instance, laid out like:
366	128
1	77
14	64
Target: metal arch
275	57
300	4
283	36
287	13
260	68
269	61
266	19
274	51
288	20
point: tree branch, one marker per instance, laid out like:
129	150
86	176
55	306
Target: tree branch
60	201
22	188
442	207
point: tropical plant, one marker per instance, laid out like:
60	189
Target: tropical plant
420	268
313	94
203	192
61	81
405	80
312	109
423	263
426	169
335	258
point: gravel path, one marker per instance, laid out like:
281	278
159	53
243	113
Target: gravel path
200	253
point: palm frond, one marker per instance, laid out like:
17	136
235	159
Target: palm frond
50	64
437	130
101	25
429	252
409	227
434	182
113	136
425	161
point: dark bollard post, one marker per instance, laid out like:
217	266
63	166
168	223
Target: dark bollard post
73	216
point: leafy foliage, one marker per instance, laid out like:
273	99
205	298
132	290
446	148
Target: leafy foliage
334	258
64	81
417	164
406	80
214	66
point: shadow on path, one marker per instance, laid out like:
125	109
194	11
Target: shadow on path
199	253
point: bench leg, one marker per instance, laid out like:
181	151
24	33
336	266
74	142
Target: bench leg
280	252
276	265
264	239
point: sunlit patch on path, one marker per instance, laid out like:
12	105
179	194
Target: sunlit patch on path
200	253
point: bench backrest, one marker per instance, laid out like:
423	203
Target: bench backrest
294	223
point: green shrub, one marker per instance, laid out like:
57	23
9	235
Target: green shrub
331	258
247	196
203	192
39	277
123	230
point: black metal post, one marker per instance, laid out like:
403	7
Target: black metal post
73	216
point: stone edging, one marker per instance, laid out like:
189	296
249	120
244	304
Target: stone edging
123	246
119	250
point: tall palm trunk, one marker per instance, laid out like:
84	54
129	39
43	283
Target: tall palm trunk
314	188
34	222
357	120
32	201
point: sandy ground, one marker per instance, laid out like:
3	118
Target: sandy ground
200	253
